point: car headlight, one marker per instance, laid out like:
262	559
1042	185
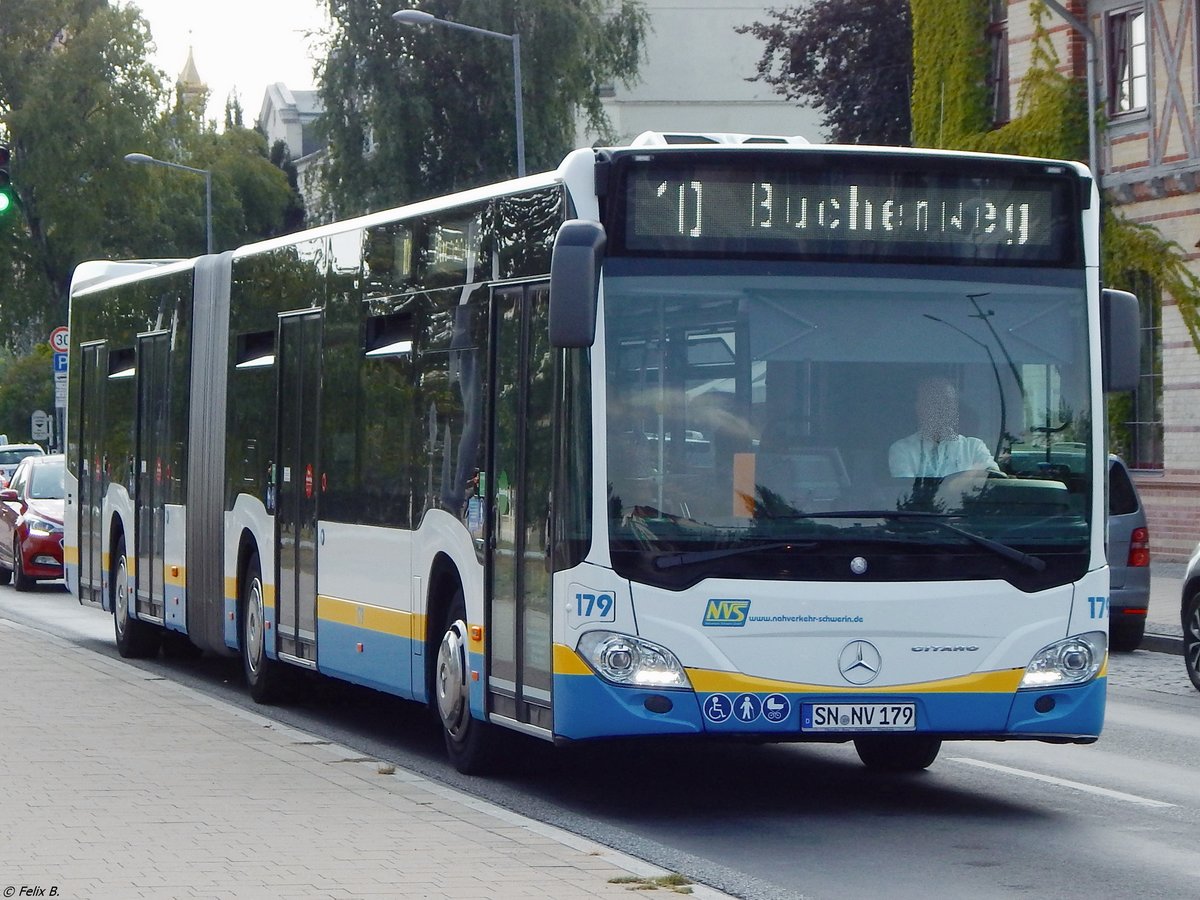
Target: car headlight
1073	660
624	659
41	527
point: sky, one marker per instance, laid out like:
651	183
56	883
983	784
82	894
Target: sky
247	44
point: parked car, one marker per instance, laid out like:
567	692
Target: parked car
11	455
1190	614
1128	560
31	522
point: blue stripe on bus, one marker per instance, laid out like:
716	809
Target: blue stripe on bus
385	662
587	707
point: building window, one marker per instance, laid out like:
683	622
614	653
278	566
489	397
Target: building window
997	82
1136	418
1126	61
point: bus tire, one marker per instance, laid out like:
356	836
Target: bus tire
1191	638
135	639
897	753
265	677
471	744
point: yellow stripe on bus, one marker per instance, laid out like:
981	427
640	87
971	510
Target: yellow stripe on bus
1001	682
373	618
568	662
232	588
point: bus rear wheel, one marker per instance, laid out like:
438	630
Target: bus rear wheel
135	638
471	744
264	676
897	753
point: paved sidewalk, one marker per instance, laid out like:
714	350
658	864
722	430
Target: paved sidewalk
117	784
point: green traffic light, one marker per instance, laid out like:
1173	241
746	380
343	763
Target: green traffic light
6	202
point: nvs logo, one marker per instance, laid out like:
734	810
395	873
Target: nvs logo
726	613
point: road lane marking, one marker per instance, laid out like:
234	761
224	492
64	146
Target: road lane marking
1062	782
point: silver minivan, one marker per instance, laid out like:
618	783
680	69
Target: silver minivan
1128	560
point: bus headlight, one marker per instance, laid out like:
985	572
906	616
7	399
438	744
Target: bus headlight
1074	660
628	660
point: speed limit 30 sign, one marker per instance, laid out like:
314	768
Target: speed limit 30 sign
60	339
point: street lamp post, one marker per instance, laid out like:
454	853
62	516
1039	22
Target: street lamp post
419	17
143	159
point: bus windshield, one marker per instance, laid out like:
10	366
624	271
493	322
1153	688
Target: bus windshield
913	423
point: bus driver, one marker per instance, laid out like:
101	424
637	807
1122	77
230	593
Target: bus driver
936	449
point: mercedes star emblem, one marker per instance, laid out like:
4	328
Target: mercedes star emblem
859	662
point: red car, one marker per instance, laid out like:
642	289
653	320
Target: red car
31	522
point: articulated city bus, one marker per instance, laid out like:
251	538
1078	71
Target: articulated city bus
721	436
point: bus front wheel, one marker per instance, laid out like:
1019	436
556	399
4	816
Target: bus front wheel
897	753
470	743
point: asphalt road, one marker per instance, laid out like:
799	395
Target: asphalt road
1115	819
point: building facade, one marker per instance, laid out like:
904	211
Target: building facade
694	77
1144	63
291	116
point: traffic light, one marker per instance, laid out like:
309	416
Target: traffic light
7	198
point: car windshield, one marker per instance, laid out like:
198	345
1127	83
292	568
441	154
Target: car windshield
793	417
46	482
11	457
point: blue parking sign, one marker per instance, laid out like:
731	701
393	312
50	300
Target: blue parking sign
60	362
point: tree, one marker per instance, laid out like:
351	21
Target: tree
76	93
413	112
850	60
26	385
281	157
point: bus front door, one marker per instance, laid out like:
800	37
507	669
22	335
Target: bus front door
93	378
297	487
518	570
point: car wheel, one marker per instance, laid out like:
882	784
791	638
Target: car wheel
265	677
21	581
1126	635
1191	638
474	746
897	753
5	574
135	638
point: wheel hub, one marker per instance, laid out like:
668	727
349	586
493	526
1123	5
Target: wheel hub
451	680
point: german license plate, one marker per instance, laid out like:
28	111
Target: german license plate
858	717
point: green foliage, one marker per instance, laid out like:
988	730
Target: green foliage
414	112
950	64
850	60
1051	121
77	93
26	386
75	88
1138	258
1051	118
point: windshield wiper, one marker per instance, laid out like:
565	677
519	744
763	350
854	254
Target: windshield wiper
938	519
692	557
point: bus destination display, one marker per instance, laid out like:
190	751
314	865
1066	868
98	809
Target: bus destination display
833	214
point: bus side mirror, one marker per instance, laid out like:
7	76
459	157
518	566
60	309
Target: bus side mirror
1120	340
575	283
